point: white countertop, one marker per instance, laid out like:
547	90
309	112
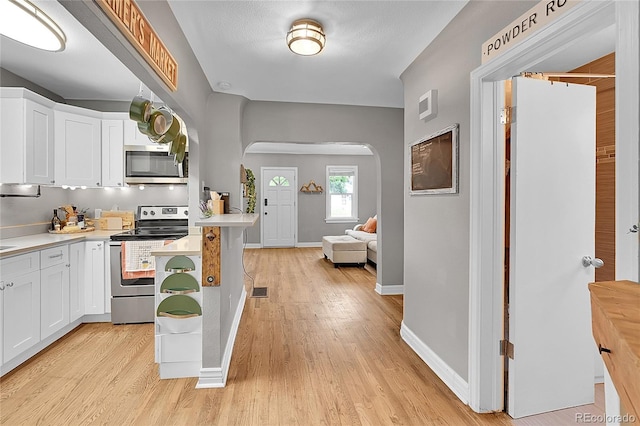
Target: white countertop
19	245
229	220
191	245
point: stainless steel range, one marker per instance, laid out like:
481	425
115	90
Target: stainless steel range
132	272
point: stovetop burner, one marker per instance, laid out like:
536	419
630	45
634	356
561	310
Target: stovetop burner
158	223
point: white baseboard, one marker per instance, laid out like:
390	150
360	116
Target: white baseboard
314	245
389	290
252	245
210	378
217	377
88	318
457	384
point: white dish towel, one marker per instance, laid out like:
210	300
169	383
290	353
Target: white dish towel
138	255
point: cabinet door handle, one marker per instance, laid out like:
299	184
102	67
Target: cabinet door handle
10	284
55	255
1	285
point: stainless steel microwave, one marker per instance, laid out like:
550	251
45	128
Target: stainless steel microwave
153	164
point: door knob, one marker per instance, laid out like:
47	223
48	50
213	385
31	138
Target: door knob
595	262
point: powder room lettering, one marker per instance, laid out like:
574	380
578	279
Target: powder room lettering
523	27
131	22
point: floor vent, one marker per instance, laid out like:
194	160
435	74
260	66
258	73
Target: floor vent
259	292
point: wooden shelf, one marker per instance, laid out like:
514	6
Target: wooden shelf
311	187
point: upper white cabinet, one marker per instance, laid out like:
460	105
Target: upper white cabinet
132	136
113	152
26	137
78	151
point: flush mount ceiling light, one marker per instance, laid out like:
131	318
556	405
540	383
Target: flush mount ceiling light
306	37
24	22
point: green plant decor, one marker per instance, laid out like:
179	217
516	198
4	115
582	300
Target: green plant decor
251	191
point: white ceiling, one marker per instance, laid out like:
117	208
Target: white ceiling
85	70
369	44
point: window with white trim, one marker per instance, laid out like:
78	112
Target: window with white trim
342	194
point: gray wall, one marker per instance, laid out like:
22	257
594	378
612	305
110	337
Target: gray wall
436	227
26	216
312	206
379	128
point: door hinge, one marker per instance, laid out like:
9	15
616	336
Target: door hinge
506	348
507	115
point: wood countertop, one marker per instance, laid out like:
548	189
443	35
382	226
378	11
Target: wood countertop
615	307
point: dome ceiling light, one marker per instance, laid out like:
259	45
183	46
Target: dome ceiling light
306	37
26	23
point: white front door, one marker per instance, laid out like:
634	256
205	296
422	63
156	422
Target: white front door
279	212
552	228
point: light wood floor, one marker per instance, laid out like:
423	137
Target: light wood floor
322	349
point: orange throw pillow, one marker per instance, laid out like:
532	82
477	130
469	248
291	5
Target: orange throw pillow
370	225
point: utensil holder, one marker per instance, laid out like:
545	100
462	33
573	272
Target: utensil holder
218	206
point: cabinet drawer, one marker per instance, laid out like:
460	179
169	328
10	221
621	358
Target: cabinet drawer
180	347
18	265
54	256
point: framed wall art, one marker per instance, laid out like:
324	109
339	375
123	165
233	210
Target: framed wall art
434	163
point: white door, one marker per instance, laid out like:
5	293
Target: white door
21	314
552	228
76	280
279	213
54	299
94	277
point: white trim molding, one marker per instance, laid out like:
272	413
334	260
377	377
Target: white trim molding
216	377
389	290
487	178
457	384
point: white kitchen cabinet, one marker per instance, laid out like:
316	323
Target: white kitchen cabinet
133	136
77	148
94	277
54	290
20	314
26	138
107	278
112	153
2	287
76	280
20	288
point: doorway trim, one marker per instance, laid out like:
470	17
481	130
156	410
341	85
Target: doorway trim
487	176
295	200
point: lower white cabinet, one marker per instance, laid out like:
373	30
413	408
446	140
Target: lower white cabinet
76	280
20	314
94	277
54	290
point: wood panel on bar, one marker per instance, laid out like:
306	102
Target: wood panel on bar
210	256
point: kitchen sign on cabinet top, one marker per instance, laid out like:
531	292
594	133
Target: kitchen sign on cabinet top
136	28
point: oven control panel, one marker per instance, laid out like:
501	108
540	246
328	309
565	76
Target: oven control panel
163	212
